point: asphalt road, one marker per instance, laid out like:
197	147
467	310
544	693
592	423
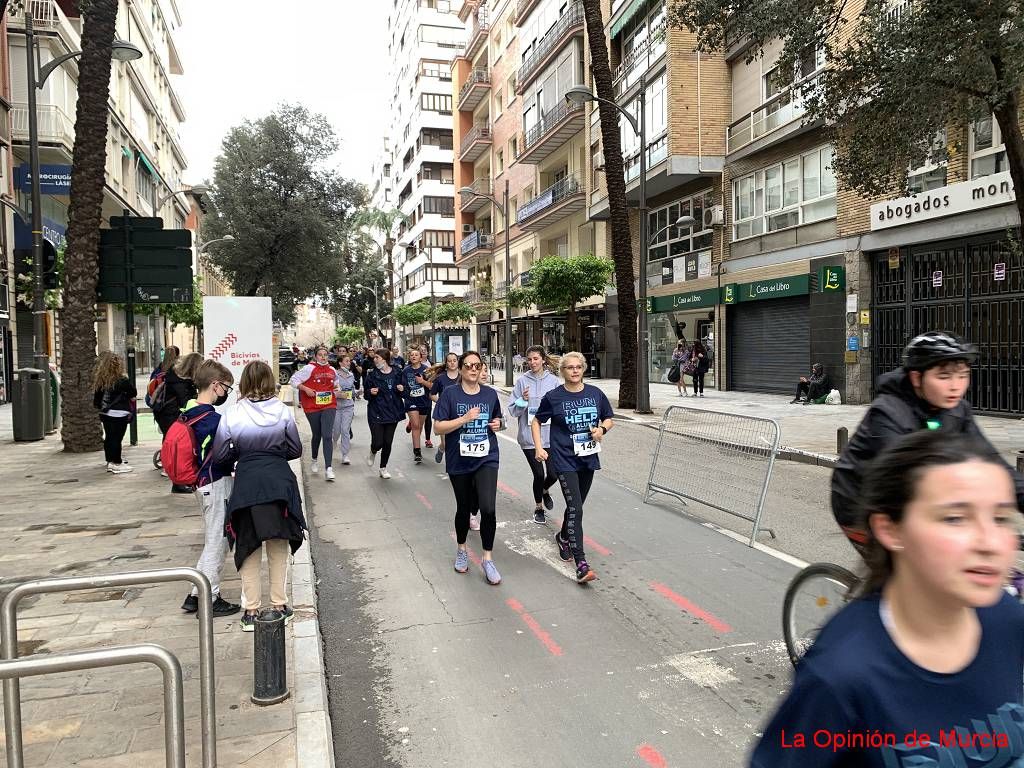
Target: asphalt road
673	657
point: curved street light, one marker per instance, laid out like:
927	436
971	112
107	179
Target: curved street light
198	189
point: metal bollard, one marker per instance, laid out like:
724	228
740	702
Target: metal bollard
269	665
842	438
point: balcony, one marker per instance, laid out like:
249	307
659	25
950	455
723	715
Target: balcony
473	203
476	141
639	61
475	89
570	25
523	9
780	110
46	17
554	128
478	35
55	125
476	241
559	201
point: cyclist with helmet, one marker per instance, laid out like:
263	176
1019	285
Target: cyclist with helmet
926	393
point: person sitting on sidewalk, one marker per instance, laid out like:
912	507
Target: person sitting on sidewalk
213	486
813	389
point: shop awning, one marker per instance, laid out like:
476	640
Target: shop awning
633	7
126	152
149	165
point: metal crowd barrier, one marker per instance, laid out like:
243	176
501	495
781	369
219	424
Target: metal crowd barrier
9	650
723	460
174	708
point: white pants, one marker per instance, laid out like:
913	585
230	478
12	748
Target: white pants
213	500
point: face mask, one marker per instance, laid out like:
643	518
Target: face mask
380	365
221	400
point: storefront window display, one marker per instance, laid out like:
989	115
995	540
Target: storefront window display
666	329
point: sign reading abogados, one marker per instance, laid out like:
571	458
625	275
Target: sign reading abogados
760	290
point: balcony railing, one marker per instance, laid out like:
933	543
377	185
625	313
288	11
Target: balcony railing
781	109
479	132
55	125
477	36
548	120
477	77
657	150
475	241
640	60
561	190
523	9
570	21
480	187
46	14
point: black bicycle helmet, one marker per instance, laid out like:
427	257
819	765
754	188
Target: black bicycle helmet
934	347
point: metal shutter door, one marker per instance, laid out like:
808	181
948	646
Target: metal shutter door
769	345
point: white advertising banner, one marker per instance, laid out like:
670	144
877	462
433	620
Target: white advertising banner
238	330
982	192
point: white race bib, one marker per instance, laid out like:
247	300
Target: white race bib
474	445
345	394
585	445
324	398
417	391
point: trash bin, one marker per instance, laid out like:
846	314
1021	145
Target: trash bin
29	404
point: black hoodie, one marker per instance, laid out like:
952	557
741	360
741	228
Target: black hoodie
895	411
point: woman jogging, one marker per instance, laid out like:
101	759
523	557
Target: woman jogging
580	417
428	423
700	363
345	395
385	407
264	509
316	383
114	397
442	379
417	401
468	415
523	404
925	667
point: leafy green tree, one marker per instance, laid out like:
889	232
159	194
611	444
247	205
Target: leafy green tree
287	210
563	283
385	223
360	265
897	74
521	298
454	312
412	314
347	335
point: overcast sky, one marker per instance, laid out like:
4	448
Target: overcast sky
244	57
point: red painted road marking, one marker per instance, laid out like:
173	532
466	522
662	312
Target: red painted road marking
470	552
509	490
531	622
651	756
599	548
426	503
709	618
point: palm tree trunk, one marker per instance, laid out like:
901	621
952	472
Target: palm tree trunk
622	245
81	428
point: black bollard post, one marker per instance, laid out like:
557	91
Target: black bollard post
269	666
1020	462
842	438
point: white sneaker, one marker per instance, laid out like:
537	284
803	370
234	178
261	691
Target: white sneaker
370	457
314	468
344	460
163	473
385	475
120	469
329	474
474	522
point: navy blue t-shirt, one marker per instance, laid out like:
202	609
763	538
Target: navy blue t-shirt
442	382
854	680
476	436
417	396
573	415
388	405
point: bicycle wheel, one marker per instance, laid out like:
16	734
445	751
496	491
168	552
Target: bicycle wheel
812	598
157	462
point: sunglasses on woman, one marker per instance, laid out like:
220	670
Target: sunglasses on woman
472	366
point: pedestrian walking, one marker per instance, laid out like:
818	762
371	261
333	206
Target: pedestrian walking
700	363
264	510
385	407
443	377
925	666
417	401
469	414
679	358
213	481
580	416
346	407
316	383
114	397
527	393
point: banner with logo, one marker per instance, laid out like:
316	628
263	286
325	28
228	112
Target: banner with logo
238	330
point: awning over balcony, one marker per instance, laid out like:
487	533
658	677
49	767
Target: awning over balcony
634	6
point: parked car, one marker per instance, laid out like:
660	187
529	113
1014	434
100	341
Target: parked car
287	364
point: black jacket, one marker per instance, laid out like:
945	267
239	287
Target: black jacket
895	411
120	397
177	393
818	384
388	405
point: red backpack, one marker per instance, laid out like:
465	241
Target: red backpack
180	453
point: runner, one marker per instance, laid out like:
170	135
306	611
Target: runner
580	417
346	407
316	383
523	404
471	413
427	421
384	407
443	378
417	401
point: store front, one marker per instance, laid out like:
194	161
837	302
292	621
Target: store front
689	316
550	331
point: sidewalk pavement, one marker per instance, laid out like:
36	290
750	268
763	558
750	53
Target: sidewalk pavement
808	433
66	516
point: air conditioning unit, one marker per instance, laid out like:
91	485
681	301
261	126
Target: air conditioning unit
599	161
467	229
714	216
486	239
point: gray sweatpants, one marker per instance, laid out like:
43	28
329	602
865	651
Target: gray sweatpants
321	423
213	500
342	427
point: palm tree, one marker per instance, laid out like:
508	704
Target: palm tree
622	246
81	429
384	222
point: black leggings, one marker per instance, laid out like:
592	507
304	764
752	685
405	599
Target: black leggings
698	383
428	422
114	428
575	487
541	480
476	491
381	437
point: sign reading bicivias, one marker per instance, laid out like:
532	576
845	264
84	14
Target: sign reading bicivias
982	192
238	330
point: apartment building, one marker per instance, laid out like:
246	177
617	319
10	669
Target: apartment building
145	159
514	131
415	172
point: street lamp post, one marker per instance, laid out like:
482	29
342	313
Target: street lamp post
198	189
433	299
121	51
376	301
503	207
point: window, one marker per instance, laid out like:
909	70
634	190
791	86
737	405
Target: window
497	104
511	89
513	148
433	238
499	162
442	205
988	154
797	191
145	185
932	173
513	208
436	102
678	241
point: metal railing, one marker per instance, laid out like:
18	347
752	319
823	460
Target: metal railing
565	187
548	120
9	649
481	26
11	670
572	18
781	109
55	125
524	7
478	76
640	59
479	132
694	445
46	14
475	241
